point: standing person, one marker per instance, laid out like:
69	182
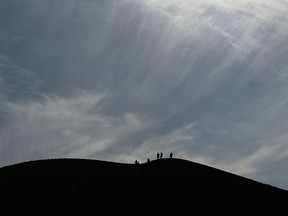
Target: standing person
161	155
171	155
158	155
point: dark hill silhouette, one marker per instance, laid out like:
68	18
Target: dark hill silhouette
160	187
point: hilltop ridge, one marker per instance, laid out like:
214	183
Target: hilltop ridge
160	187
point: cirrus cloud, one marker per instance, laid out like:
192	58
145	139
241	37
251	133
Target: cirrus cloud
120	80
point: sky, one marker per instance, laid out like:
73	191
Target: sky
121	80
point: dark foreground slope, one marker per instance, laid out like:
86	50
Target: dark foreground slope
162	187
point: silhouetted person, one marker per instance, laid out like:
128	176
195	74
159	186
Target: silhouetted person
158	155
148	160
136	162
171	155
161	155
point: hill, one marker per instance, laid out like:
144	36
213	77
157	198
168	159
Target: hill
160	187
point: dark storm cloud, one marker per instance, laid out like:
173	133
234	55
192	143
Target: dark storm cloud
120	80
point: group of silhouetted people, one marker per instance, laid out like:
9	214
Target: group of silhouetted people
159	156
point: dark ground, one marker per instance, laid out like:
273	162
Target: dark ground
161	187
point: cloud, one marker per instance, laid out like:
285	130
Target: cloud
16	82
263	164
250	164
120	80
62	127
